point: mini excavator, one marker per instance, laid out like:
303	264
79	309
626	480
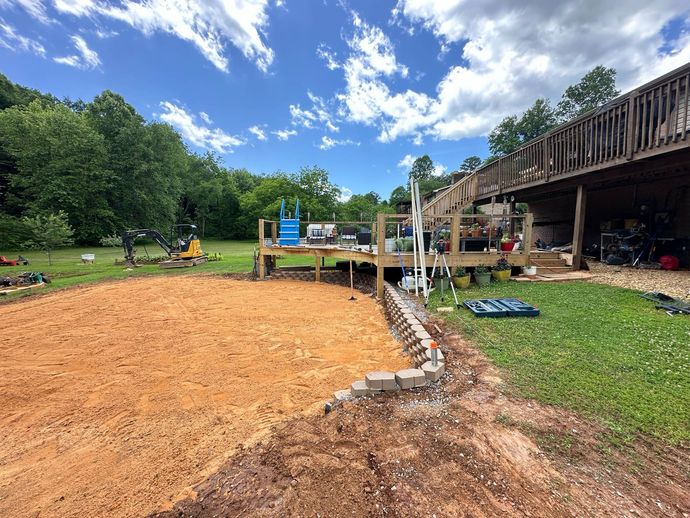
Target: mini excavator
184	247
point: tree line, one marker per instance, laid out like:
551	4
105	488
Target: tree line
104	168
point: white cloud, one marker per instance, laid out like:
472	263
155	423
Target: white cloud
204	117
207	24
201	136
284	134
317	115
328	143
439	169
504	65
258	132
11	39
35	8
345	194
85	59
406	162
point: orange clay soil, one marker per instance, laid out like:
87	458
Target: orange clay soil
116	398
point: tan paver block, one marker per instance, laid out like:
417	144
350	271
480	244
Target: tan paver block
380	380
433	373
408	378
359	388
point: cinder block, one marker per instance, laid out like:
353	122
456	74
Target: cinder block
409	378
426	343
380	380
422	335
433	373
342	395
358	388
417	327
427	355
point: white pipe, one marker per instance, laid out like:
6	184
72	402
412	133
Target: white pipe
420	236
414	236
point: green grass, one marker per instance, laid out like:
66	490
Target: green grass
68	270
601	351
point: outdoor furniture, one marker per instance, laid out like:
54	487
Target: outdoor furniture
317	236
349	236
364	237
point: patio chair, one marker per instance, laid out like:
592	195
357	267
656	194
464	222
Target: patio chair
317	236
349	236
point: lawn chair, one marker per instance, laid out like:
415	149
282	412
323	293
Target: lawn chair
349	236
317	236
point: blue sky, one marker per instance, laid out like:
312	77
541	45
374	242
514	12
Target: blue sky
359	88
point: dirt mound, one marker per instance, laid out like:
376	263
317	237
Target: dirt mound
461	449
116	398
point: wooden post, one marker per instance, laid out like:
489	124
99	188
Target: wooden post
262	258
578	231
455	234
274	232
317	269
630	120
527	233
380	249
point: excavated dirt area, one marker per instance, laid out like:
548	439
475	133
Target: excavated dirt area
459	449
115	399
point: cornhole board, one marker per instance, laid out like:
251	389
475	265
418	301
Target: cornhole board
497	308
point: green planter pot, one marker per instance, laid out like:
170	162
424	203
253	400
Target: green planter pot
501	276
483	279
461	283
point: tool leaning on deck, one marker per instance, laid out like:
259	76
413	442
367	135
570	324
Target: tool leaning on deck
185	252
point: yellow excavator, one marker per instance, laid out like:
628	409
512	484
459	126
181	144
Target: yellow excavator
184	247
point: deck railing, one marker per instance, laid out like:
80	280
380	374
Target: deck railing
650	120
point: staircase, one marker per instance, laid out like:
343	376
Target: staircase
289	228
453	200
548	262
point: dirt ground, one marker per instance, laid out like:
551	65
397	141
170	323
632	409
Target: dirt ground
675	284
461	448
115	399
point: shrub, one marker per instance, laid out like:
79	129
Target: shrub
111	241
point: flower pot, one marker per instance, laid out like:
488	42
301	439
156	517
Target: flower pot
476	232
530	271
461	283
501	276
442	284
507	246
463	232
483	279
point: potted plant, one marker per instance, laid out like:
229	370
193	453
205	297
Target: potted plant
482	274
461	279
507	244
501	272
476	230
464	231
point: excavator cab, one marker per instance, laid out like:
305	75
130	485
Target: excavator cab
185	243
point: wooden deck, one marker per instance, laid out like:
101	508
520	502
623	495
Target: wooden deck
649	121
388	225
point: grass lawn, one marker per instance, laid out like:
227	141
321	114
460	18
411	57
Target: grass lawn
601	351
68	270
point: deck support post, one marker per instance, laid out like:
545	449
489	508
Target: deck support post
579	227
380	250
317	268
262	257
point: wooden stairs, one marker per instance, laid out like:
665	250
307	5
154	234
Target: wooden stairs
548	262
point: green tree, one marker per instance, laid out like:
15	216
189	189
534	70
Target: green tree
597	87
470	164
422	168
61	162
536	121
505	137
400	194
48	232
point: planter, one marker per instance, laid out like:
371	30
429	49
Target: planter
501	276
507	246
461	283
464	232
483	279
442	284
476	232
530	271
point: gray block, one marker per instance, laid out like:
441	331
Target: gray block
410	378
342	395
433	373
422	335
417	327
381	380
359	388
426	343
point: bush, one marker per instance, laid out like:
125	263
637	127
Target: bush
112	241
